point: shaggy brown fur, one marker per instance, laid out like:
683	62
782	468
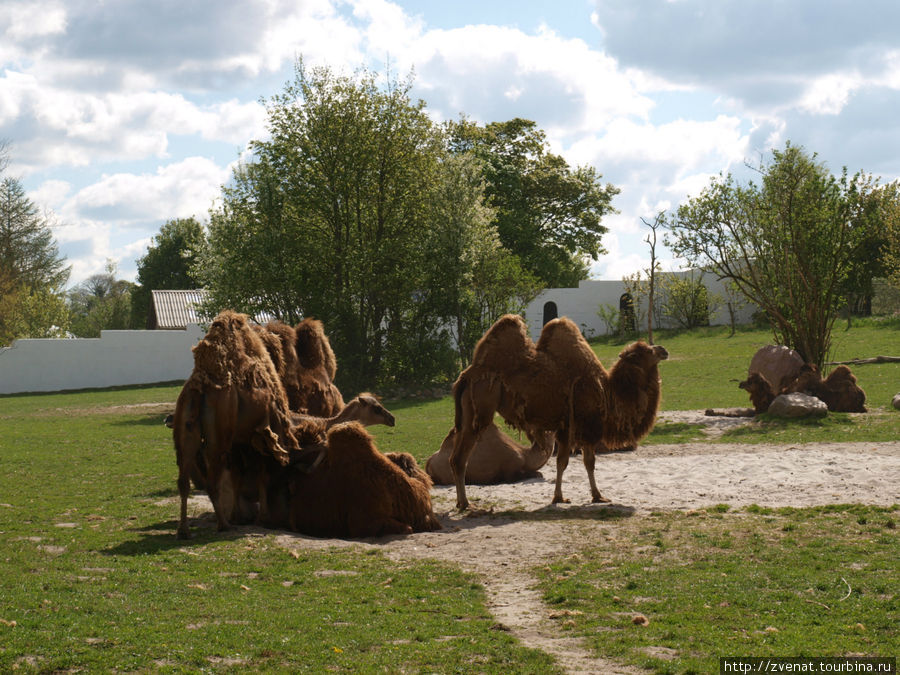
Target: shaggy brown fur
234	395
839	391
496	458
317	393
358	492
252	473
760	390
558	385
281	343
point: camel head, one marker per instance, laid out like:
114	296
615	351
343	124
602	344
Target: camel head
367	410
640	353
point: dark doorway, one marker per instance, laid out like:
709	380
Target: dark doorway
550	311
626	313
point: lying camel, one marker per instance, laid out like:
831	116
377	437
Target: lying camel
760	390
496	458
356	491
559	386
839	391
251	471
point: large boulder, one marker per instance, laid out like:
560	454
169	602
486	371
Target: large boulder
797	405
780	365
896	402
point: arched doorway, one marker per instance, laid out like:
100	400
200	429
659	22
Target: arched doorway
626	313
550	311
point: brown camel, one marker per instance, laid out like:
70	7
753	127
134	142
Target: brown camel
317	394
251	472
358	492
560	386
280	340
839	391
760	390
233	395
496	458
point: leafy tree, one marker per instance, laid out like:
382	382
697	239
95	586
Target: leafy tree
547	213
100	302
168	264
788	244
32	273
331	218
687	300
472	279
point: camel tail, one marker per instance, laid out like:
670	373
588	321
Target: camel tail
459	388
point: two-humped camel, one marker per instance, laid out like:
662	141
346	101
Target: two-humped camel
558	385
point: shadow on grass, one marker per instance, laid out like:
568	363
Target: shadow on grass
160	537
154	419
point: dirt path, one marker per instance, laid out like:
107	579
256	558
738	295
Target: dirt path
503	551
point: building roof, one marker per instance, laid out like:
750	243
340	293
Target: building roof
174	310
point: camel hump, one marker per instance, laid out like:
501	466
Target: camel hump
504	345
313	348
563	342
349	439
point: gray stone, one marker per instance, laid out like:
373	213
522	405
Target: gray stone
896	401
797	405
780	365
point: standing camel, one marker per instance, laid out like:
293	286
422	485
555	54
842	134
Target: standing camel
558	385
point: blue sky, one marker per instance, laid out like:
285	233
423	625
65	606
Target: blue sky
121	115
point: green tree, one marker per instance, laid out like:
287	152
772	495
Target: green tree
168	264
330	220
547	213
32	273
787	244
687	301
472	278
100	302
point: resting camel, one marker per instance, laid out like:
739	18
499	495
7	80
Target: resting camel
233	395
496	458
358	492
760	390
839	391
251	472
559	386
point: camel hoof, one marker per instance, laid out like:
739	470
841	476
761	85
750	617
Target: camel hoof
560	500
600	499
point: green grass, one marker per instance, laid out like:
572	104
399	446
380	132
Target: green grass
94	579
760	582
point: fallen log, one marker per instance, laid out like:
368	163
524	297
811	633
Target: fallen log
859	362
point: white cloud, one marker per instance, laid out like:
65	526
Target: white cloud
183	189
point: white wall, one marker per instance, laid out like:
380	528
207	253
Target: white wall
581	305
117	357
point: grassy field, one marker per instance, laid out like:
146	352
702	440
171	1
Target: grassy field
93	578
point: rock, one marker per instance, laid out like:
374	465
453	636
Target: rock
780	365
797	405
896	402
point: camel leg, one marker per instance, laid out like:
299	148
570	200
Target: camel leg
184	490
562	461
476	403
463	445
219	480
589	459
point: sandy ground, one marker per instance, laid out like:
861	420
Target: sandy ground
502	551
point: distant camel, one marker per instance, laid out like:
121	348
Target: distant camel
839	391
496	458
760	390
558	386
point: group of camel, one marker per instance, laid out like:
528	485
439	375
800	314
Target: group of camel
778	370
261	426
